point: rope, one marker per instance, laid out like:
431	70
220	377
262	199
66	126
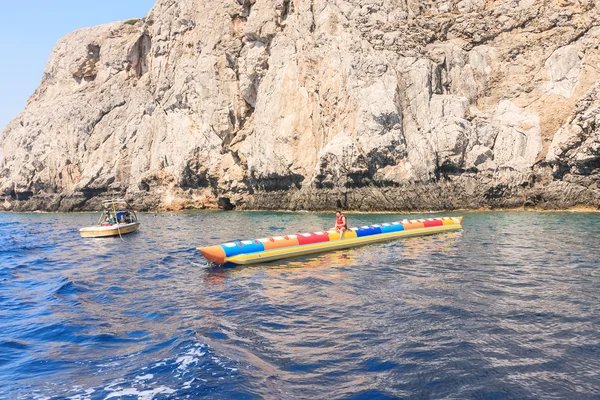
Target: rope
117	220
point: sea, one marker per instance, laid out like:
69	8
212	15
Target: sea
507	308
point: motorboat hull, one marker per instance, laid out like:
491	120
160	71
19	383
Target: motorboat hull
107	231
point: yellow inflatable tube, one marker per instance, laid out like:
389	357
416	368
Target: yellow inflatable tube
244	252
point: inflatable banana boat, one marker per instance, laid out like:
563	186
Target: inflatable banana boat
243	252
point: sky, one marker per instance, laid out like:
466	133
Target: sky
29	29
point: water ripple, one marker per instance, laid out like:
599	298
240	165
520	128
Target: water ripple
508	309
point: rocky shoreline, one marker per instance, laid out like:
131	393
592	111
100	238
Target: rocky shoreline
462	192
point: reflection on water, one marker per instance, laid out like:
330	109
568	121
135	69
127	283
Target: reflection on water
506	308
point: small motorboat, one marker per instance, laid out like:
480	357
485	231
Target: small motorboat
242	252
116	220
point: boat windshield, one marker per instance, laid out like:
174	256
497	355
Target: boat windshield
116	212
121	217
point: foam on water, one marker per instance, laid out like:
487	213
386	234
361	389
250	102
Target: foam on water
142	395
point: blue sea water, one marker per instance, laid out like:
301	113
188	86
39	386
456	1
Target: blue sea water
508	308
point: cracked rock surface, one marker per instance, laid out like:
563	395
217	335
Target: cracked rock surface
317	104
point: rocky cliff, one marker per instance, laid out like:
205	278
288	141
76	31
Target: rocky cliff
317	104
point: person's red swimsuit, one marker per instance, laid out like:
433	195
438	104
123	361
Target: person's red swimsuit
339	222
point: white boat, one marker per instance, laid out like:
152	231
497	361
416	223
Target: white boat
116	220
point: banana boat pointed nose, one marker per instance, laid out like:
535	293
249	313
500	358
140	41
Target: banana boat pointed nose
214	254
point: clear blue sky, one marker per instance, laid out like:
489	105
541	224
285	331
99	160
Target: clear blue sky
29	29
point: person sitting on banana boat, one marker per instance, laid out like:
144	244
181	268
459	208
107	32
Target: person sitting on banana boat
341	223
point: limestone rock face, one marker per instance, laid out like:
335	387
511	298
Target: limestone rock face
317	104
